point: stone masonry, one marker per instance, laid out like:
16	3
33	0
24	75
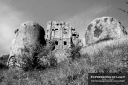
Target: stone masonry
104	28
26	41
62	33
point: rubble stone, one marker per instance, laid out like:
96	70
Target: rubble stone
104	28
62	33
27	39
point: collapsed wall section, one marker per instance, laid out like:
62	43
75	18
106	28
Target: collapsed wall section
104	28
27	40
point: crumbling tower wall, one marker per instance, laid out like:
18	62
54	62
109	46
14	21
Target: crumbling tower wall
104	28
64	36
61	33
26	41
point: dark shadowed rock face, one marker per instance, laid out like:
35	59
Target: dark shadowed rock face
102	29
27	39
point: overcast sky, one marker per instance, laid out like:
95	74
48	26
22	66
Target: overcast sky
79	12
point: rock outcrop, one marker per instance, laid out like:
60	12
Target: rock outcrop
102	29
27	39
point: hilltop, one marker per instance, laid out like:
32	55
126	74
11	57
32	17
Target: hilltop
38	63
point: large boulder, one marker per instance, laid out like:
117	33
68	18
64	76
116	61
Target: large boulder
27	39
104	28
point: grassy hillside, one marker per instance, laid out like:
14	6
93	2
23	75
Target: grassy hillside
109	56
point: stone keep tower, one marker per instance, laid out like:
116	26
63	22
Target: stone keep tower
25	43
61	33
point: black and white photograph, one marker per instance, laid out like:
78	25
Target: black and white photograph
63	42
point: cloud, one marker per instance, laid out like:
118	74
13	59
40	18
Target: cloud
10	19
81	20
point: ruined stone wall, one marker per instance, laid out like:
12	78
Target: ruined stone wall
66	34
48	30
60	32
26	41
104	28
63	34
75	38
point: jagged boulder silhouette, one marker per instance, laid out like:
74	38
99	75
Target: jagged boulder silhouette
104	28
27	39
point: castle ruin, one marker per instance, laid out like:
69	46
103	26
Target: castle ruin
62	33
